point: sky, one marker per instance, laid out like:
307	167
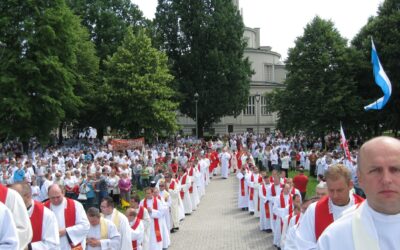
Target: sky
282	21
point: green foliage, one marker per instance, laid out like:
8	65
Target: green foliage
385	33
203	40
137	78
321	90
46	67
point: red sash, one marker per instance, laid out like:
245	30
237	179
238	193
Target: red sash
290	201
273	191
322	216
135	225
172	185
251	189
140	213
156	224
183	182
271	179
266	206
37	221
3	193
293	192
243	193
238	158
191	174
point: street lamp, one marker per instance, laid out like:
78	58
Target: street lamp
258	96
196	100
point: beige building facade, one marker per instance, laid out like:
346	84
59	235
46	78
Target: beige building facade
269	73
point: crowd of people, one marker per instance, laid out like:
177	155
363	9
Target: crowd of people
90	198
338	217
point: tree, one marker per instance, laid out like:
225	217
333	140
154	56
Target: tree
107	22
384	30
203	40
40	75
137	78
320	87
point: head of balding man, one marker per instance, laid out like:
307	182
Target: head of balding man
56	194
24	189
379	173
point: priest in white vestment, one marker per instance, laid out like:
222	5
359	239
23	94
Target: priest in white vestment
75	234
173	189
103	234
224	159
375	224
165	231
185	184
45	233
144	216
8	234
265	213
338	180
243	189
110	213
15	203
137	229
156	210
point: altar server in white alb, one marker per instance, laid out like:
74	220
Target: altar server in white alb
43	221
8	234
224	158
103	234
321	214
109	212
73	224
243	189
375	224
14	202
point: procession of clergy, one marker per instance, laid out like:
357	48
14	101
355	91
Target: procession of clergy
336	218
62	223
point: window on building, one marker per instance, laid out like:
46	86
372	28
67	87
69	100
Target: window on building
251	106
268	72
249	130
265	109
230	128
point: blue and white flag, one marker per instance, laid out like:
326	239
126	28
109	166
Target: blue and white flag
381	79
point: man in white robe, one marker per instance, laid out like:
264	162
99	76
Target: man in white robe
328	209
184	181
265	214
110	213
61	207
224	159
15	203
156	210
243	190
103	234
45	187
137	229
173	189
376	222
144	216
165	231
45	233
274	190
8	231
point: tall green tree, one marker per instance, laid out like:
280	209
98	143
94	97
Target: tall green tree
137	78
107	22
320	87
384	29
42	75
203	40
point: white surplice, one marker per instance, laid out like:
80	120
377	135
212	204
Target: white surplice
8	230
146	226
20	215
112	241
265	223
305	233
380	229
224	159
76	233
242	199
155	214
137	234
123	228
50	237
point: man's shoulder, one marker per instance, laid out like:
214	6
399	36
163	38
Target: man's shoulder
339	229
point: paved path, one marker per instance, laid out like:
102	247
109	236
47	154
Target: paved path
219	224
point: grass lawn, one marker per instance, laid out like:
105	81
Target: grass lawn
312	183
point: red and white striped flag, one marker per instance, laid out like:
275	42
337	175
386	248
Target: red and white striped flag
343	143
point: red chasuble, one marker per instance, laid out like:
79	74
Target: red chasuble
156	224
322	216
